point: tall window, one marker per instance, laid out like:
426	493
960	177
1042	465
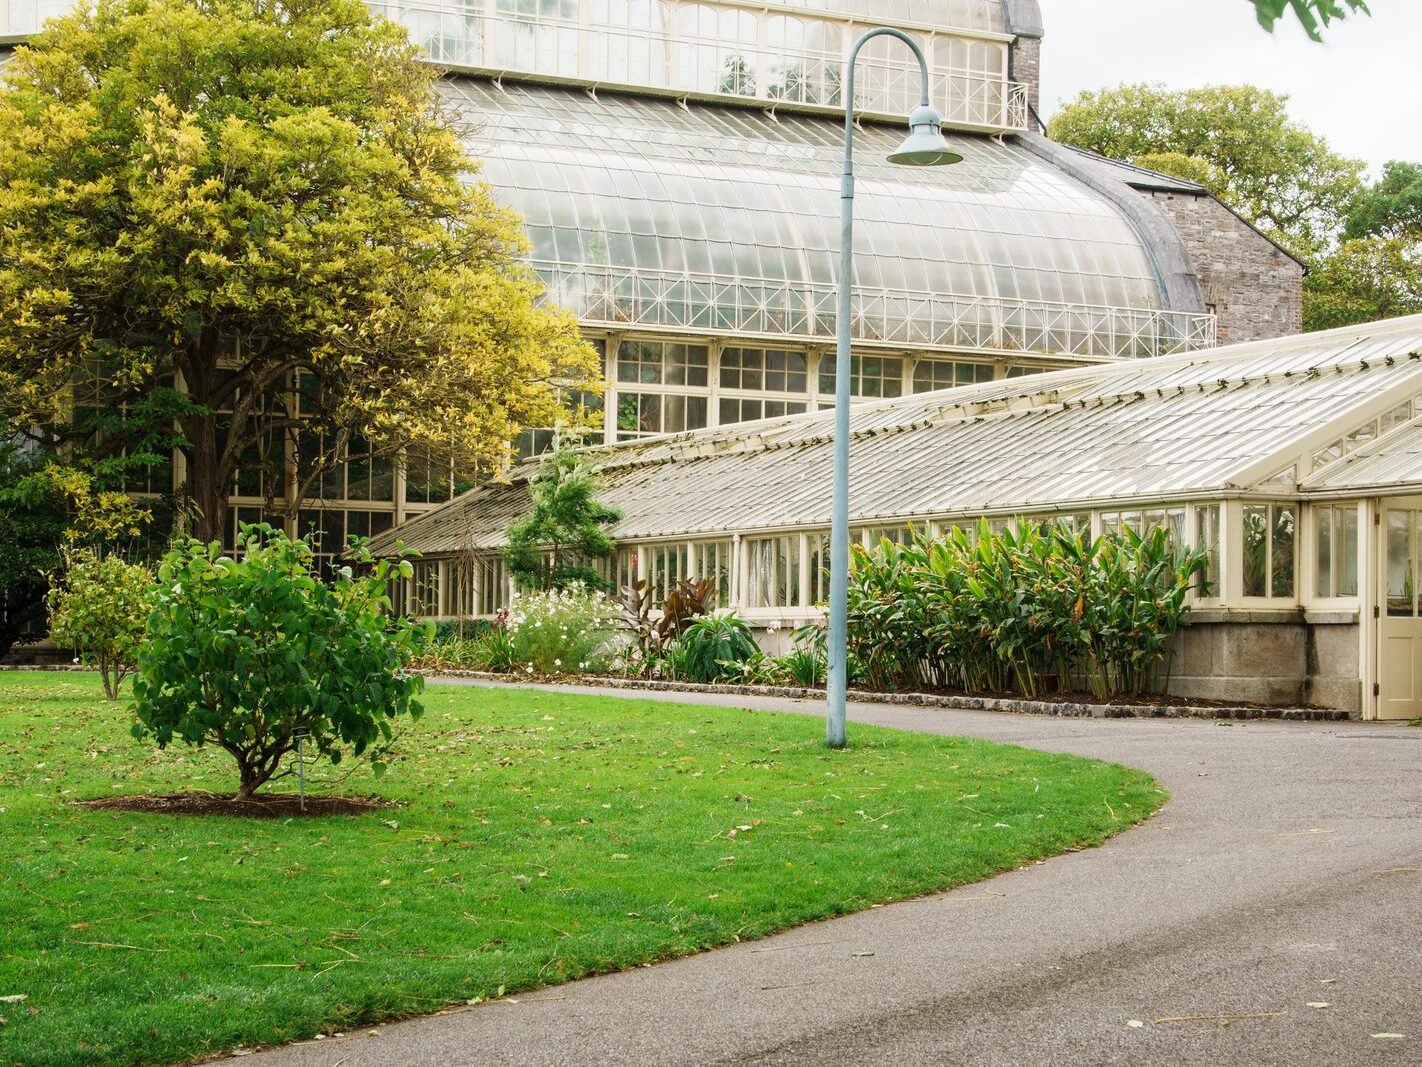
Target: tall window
662	363
774	572
735	409
643	414
1335	540
1268	545
666	565
771	370
711	561
930	374
869	376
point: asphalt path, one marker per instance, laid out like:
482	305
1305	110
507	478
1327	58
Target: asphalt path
1270	914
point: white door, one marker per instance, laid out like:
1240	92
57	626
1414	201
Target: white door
1400	618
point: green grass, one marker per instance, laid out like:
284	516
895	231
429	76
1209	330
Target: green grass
543	836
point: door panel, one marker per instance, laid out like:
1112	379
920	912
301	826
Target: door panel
1400	625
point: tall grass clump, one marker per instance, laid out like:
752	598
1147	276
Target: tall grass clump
1035	607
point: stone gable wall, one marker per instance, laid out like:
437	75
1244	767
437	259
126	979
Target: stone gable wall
1254	288
1027	68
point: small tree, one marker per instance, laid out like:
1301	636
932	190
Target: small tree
251	653
98	608
557	544
44	508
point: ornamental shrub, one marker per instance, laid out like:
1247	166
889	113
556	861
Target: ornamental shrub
1031	608
714	648
98	608
563	631
249	652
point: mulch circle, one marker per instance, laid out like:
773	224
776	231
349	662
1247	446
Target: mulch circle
261	806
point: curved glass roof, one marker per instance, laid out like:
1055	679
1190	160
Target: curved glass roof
646	191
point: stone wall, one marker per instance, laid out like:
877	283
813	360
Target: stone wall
1288	661
1251	284
1027	69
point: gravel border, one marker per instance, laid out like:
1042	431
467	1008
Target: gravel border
1060	708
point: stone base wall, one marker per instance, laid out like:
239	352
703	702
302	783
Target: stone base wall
1254	288
1284	662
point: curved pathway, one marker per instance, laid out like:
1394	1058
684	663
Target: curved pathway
1270	914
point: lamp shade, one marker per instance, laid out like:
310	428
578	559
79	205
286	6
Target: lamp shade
926	145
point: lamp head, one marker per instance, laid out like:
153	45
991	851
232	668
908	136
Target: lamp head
926	145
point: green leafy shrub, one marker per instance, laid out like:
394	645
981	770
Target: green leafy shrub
1034	607
491	651
563	631
653	635
455	631
98	608
713	649
249	653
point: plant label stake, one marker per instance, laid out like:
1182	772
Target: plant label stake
300	736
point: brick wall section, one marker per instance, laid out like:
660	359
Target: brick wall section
1254	288
1027	68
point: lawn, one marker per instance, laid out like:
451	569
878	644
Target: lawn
541	836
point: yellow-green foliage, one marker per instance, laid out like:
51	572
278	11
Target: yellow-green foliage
189	184
98	608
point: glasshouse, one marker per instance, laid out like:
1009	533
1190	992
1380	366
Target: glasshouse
1296	463
677	165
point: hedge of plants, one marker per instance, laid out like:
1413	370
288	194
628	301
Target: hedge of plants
1031	609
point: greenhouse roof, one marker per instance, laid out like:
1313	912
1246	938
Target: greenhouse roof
1391	462
642	211
1224	422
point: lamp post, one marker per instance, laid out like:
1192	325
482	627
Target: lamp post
925	147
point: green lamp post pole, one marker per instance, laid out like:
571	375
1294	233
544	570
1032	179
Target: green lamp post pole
925	147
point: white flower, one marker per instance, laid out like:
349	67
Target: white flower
557	663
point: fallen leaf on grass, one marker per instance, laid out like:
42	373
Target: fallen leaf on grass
14	998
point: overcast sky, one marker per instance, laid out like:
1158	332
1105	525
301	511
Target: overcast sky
1361	88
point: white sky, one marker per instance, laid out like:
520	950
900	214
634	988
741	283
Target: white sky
1361	89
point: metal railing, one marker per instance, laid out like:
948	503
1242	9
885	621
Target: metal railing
805	71
668	58
615	297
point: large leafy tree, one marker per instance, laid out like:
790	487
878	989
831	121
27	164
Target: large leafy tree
1237	140
211	207
1313	15
1375	272
1364	280
1391	207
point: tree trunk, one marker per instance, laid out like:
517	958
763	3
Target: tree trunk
207	489
206	492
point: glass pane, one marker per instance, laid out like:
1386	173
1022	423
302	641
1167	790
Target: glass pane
1346	523
1323	551
1399	563
1207	535
1256	550
1283	552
